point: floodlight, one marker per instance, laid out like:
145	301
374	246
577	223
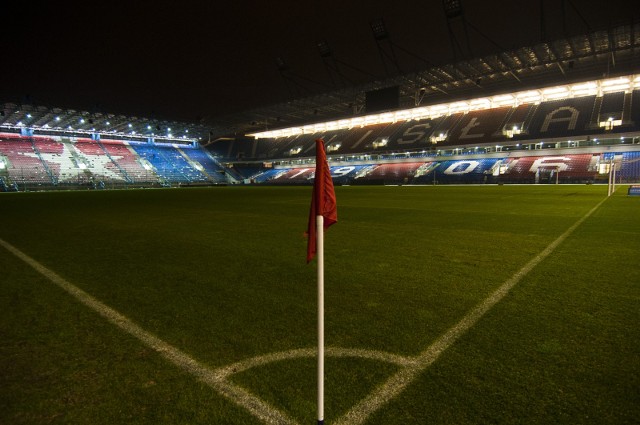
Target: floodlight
324	48
281	64
452	8
379	29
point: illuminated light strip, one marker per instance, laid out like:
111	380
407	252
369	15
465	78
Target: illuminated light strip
589	88
127	136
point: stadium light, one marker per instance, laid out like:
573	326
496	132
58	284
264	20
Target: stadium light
452	8
618	87
324	49
379	29
438	110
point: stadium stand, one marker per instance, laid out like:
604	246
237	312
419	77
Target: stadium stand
545	120
521	138
630	167
469	171
558	118
390	173
36	162
210	167
127	161
549	169
24	165
98	162
480	126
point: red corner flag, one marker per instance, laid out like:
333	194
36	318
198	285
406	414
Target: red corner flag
323	201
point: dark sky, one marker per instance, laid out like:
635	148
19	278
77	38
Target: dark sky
188	59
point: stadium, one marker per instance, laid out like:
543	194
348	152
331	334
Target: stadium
483	268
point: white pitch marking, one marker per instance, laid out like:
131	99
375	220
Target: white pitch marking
411	366
234	393
247	364
401	379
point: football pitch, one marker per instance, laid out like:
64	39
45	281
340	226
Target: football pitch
443	305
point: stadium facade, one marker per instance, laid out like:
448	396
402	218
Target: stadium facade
564	111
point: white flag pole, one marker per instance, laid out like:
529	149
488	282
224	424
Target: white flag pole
613	179
320	253
610	174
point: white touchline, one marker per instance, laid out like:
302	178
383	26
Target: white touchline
400	380
236	394
410	366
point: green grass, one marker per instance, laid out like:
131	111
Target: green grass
220	273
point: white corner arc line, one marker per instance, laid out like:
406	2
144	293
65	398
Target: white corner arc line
257	361
263	411
359	413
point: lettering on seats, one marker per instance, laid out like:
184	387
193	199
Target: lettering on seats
341	171
413	134
571	119
555	162
464	134
301	171
461	167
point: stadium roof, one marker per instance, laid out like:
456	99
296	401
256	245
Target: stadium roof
601	53
14	117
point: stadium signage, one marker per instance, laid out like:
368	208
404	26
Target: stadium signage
558	162
414	133
341	171
634	190
461	167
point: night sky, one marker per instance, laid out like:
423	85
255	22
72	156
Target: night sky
186	60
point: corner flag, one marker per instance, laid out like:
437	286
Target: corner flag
323	213
323	200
